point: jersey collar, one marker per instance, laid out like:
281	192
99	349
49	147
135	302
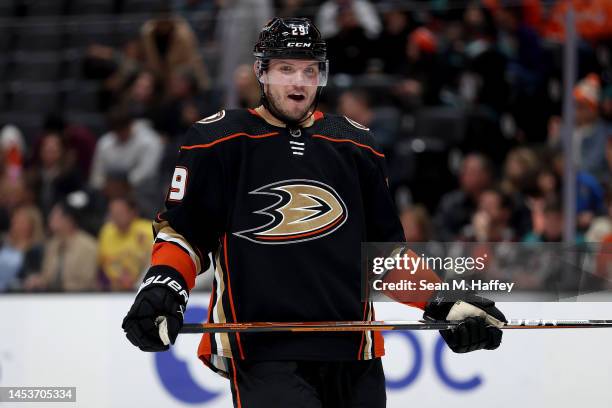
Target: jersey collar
268	117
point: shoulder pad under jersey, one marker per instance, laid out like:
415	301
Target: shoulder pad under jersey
221	125
342	127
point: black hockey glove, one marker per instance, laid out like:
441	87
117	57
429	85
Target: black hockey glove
480	321
155	318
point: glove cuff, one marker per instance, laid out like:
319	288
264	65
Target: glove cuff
442	301
168	277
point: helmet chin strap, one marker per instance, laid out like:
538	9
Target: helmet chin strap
291	123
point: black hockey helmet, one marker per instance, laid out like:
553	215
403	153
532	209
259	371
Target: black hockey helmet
291	38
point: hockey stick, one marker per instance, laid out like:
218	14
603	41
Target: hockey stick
262	327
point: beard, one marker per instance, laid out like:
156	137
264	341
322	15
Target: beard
296	113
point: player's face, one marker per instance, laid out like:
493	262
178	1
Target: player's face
292	86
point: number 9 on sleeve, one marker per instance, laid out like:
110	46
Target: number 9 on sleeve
178	186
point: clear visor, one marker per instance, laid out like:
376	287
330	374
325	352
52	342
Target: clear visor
293	72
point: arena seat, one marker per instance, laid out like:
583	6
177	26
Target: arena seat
82	96
30	96
35	66
84	7
35	35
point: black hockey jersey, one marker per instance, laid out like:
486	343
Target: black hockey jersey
284	212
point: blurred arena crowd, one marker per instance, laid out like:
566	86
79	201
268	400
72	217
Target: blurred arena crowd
464	97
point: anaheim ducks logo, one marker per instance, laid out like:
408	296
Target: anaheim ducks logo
305	210
213	118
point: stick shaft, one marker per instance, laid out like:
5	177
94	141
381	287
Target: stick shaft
263	327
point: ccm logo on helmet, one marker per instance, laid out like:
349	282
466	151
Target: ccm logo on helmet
304	210
299	44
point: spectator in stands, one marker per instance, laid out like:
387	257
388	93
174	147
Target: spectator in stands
391	44
519	181
14	192
483	83
457	207
591	132
548	183
362	15
55	176
592	19
383	122
79	141
589	193
22	249
602	225
491	221
246	86
422	70
12	150
520	44
95	215
451	53
590	198
12	187
416	223
185	104
250	16
169	44
124	245
132	148
70	259
116	68
143	96
351	44
520	169
548	222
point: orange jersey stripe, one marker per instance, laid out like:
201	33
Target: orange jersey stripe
331	139
165	253
365	308
231	298
419	305
379	341
205	346
236	385
226	138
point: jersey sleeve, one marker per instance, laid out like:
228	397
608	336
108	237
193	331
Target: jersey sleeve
196	211
382	220
383	225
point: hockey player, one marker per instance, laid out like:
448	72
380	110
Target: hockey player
283	195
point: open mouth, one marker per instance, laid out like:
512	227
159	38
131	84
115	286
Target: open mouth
298	97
